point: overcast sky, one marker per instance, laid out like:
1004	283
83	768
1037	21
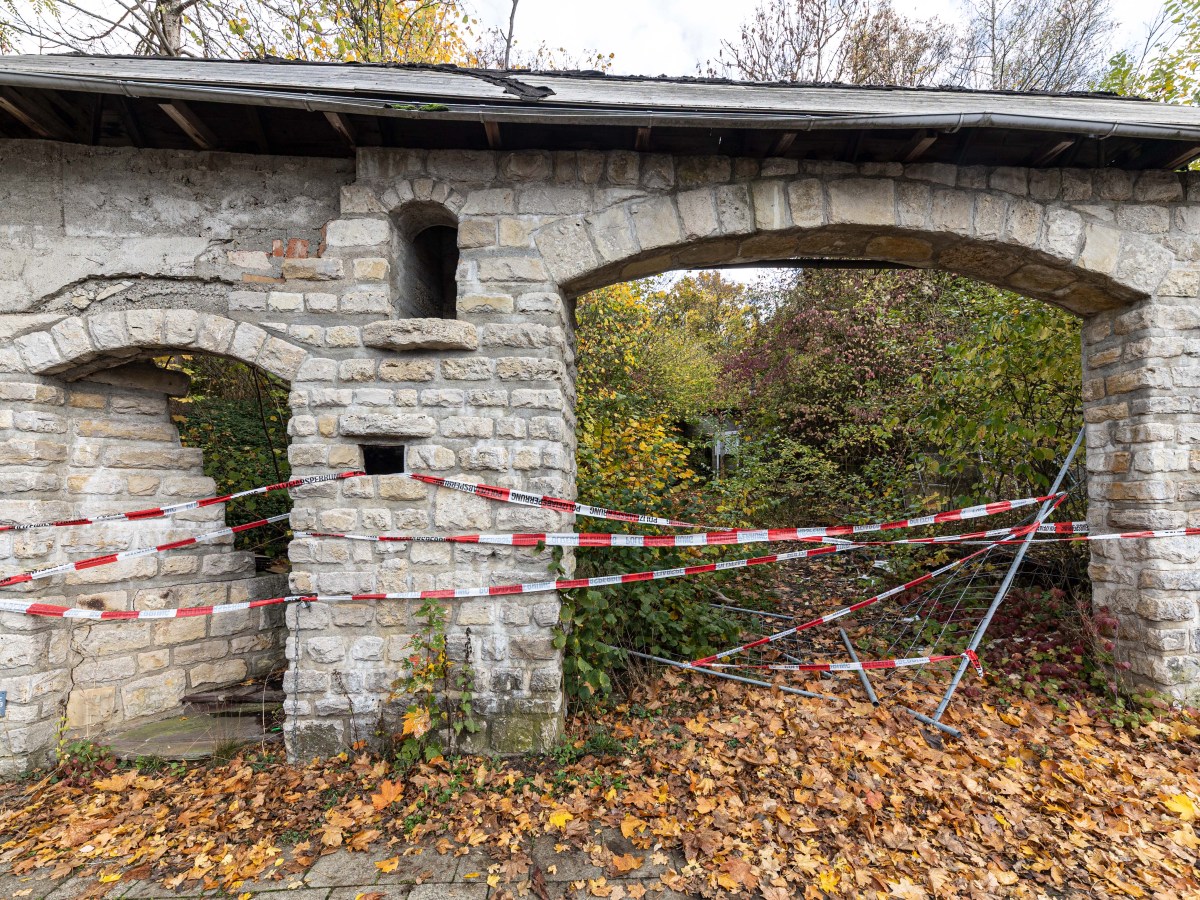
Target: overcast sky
668	37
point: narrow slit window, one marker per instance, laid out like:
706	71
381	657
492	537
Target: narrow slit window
436	250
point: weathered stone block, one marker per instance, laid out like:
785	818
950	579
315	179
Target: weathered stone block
313	269
380	424
421	334
358	232
148	696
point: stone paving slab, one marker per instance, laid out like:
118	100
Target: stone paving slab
425	875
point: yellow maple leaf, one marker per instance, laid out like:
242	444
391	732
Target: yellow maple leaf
1183	806
245	895
109	877
388	865
631	825
389	793
560	817
417	721
115	783
827	881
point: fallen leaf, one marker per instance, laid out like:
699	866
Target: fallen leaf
388	865
626	863
1183	806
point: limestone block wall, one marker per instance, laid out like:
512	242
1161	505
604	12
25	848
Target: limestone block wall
85	449
304	269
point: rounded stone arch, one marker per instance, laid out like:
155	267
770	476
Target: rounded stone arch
1047	249
81	345
106	442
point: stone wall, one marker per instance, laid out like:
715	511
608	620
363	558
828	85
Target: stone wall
316	291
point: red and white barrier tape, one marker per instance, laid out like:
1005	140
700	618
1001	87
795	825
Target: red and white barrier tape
159	512
866	665
42	609
566	539
839	613
703	539
545	501
95	561
106	615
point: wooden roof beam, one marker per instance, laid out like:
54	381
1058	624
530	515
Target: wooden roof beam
1052	153
917	146
191	124
343	126
782	144
258	134
1180	161
492	129
642	141
38	119
129	121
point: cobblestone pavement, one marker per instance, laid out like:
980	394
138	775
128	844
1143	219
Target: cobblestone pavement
422	874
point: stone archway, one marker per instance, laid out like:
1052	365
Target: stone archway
1108	246
106	442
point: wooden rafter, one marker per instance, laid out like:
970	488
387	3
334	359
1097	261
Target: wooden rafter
1178	162
190	124
343	126
782	144
918	146
129	121
1053	152
40	121
492	129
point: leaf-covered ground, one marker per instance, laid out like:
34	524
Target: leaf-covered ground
765	794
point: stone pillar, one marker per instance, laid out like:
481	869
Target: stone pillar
485	398
1142	409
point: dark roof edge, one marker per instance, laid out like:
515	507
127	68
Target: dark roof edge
500	75
512	111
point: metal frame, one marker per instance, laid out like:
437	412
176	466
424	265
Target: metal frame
1001	593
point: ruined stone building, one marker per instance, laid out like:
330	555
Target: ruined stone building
402	246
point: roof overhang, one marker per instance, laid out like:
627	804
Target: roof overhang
328	109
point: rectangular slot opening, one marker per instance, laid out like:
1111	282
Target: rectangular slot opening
383	459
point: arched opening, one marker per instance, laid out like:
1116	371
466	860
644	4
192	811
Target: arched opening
427	254
148	421
854	392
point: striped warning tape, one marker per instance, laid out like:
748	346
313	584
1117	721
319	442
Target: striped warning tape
159	512
43	609
109	559
858	666
545	501
565	539
106	615
605	539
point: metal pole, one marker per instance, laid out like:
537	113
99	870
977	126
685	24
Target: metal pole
1009	576
862	673
757	612
738	678
941	726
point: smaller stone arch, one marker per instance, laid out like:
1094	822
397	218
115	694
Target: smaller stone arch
427	257
79	346
106	441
